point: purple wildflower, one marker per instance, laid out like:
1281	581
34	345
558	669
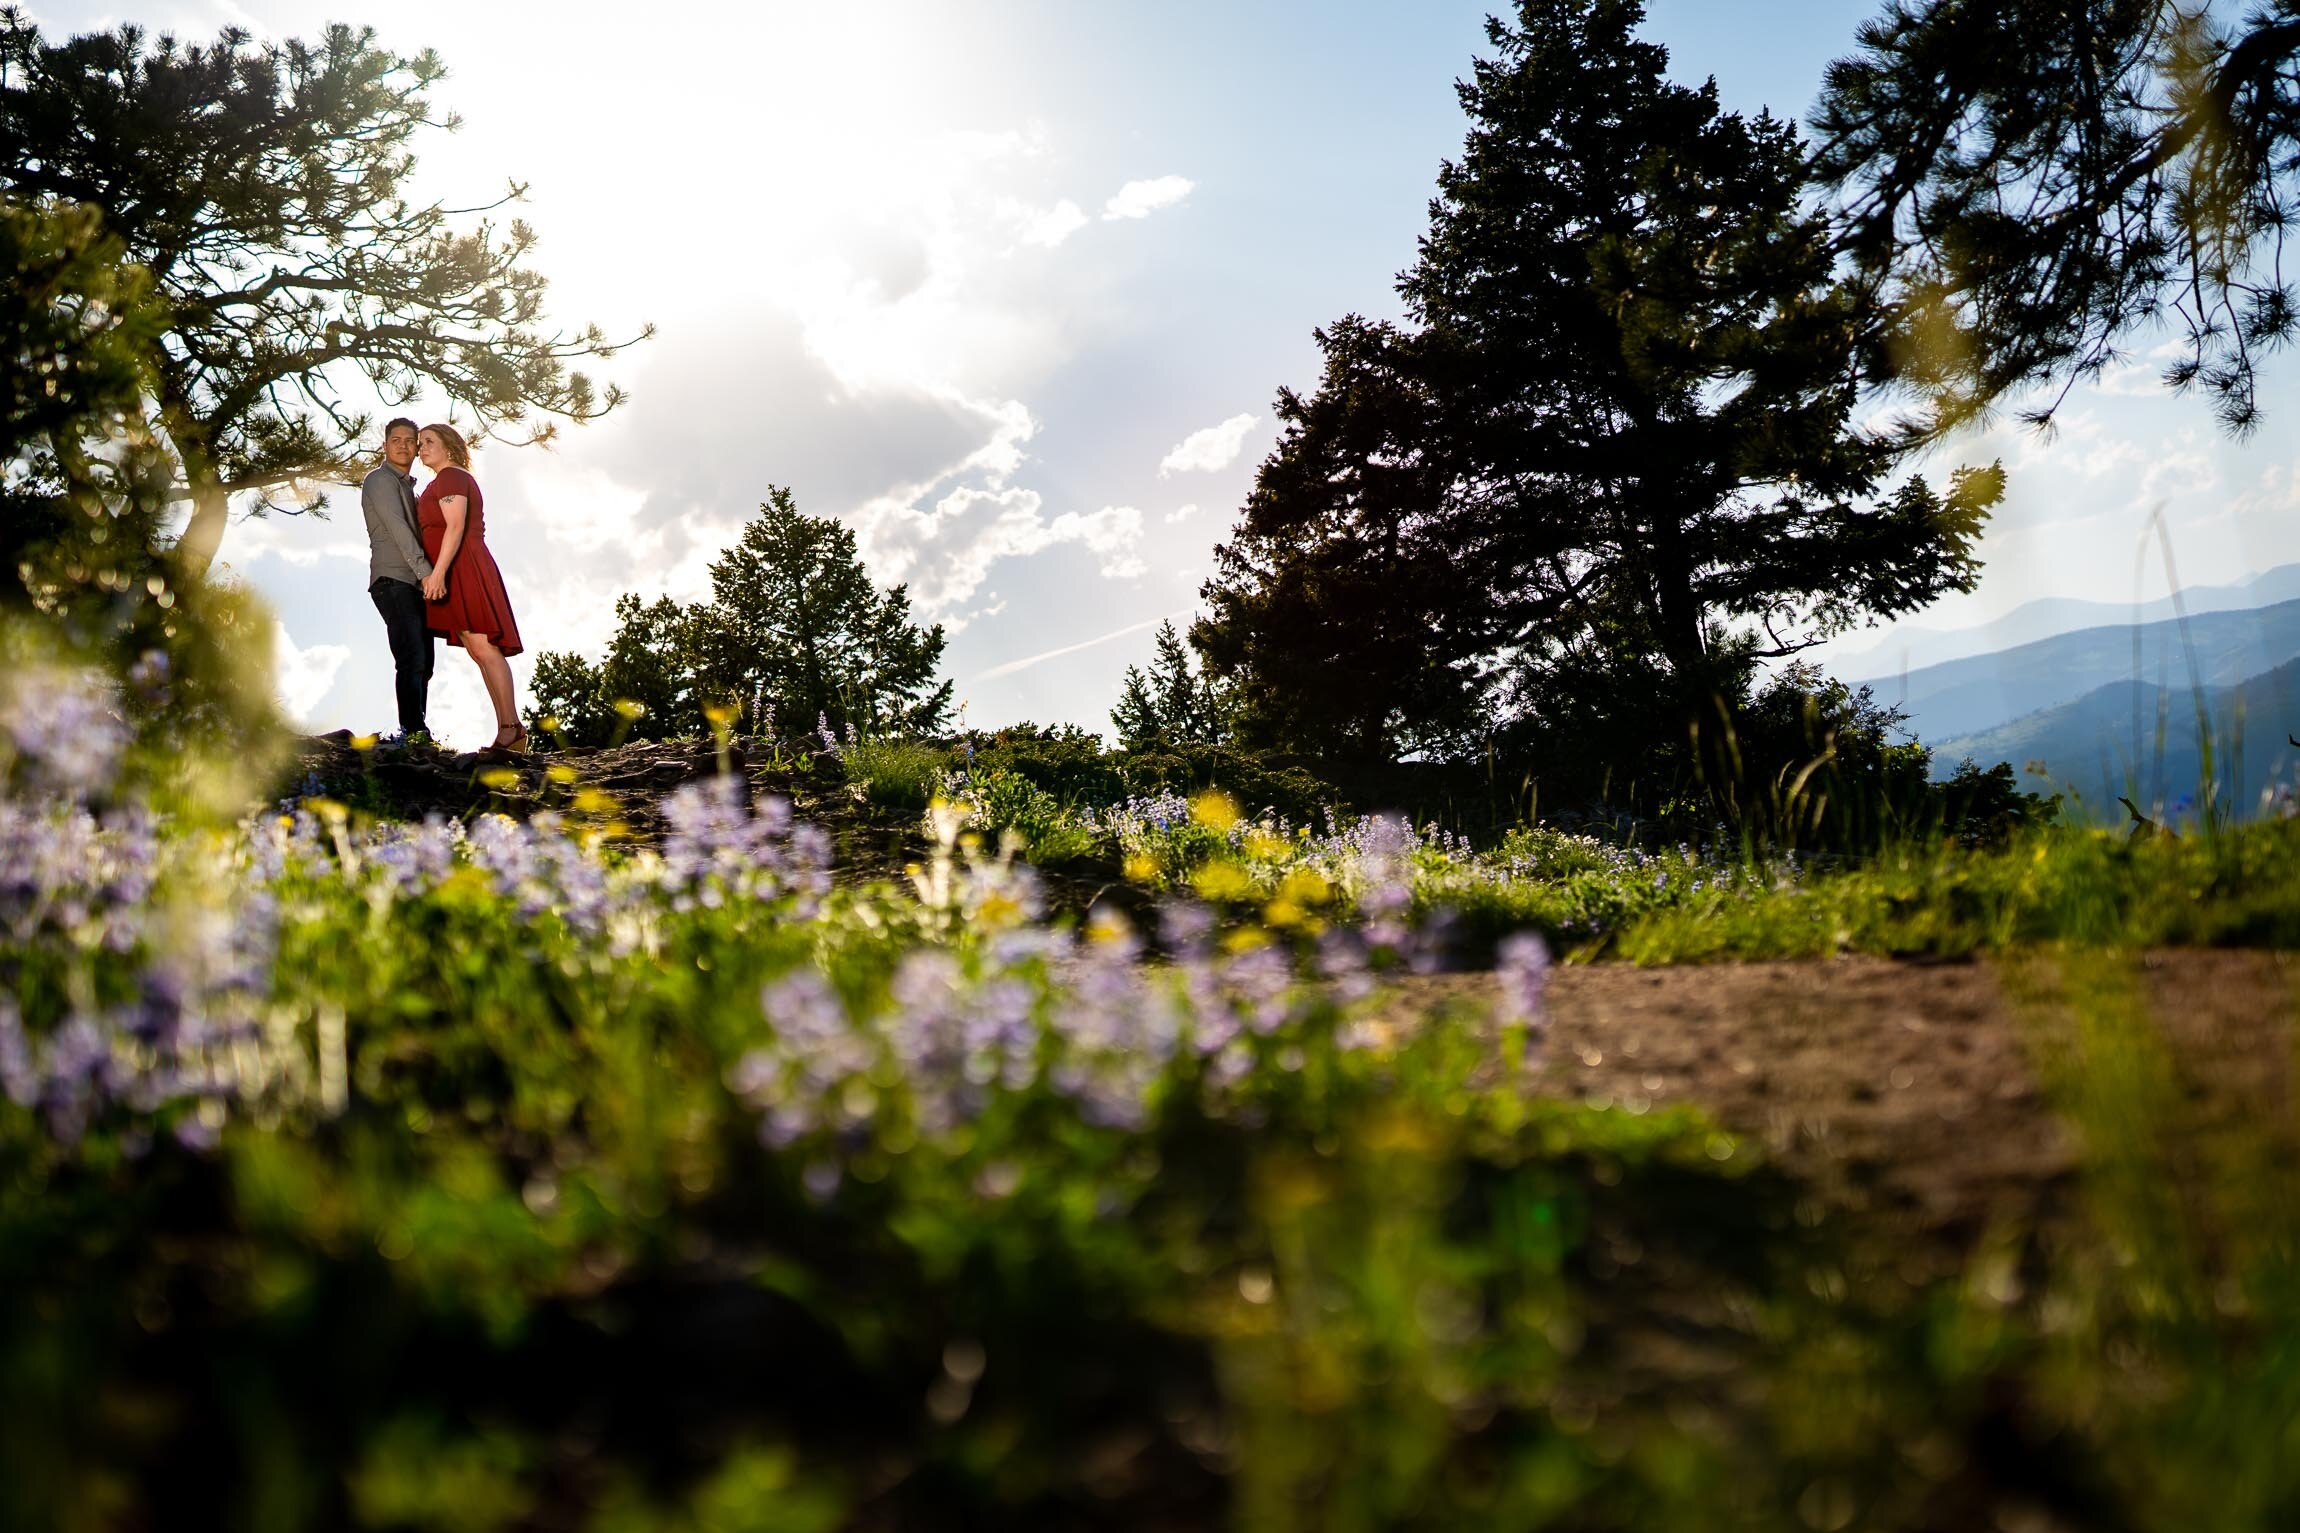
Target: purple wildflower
1522	965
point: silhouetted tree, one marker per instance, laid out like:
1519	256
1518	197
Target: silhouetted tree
793	625
261	187
795	622
643	687
1172	702
2027	185
1348	613
1623	427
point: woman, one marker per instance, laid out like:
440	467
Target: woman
465	589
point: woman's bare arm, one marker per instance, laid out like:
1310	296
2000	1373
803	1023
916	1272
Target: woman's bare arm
457	510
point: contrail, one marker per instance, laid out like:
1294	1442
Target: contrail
1027	661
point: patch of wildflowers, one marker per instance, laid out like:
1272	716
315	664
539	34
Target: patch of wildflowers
64	731
721	846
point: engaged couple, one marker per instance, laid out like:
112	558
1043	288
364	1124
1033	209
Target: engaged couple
429	572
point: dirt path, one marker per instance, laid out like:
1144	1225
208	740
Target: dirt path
1903	1090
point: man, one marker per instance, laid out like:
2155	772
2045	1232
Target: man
396	570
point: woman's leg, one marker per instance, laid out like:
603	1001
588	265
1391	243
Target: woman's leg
495	671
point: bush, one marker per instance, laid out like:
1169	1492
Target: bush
1066	761
897	774
1259	786
997	799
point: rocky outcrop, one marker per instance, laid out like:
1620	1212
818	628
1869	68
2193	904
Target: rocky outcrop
621	787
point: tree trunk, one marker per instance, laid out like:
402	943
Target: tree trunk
1708	714
1679	613
203	534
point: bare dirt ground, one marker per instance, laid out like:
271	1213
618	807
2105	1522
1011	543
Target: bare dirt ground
1908	1091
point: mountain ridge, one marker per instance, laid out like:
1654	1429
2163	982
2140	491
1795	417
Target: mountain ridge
2142	741
1976	693
2051	616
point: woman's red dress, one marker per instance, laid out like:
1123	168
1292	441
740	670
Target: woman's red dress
476	601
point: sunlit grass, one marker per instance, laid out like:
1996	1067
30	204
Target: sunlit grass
2240	887
417	1176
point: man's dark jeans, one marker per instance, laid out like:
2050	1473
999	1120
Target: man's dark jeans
411	650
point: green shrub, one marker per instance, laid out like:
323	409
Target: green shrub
1285	792
999	800
898	774
1066	762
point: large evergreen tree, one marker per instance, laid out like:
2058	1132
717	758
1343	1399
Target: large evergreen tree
1348	613
1620	437
795	622
261	187
793	627
2026	185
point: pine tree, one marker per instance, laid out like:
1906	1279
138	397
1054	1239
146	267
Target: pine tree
2025	187
1170	703
1618	438
794	626
262	187
795	622
1347	614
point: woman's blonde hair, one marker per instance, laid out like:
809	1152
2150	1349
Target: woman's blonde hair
458	450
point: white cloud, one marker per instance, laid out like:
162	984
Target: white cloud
583	508
1181	514
2179	468
1011	425
304	676
2276	492
958	623
300	538
1114	532
1140	199
946	552
1213	448
1051	226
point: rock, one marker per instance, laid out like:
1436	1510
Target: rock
413	782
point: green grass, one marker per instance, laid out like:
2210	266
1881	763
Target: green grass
899	774
2239	887
675	1189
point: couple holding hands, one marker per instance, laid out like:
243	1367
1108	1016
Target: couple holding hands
429	572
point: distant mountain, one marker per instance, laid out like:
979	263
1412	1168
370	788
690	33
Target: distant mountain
1911	648
1963	697
2142	741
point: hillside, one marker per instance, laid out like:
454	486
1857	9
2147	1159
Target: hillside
1962	698
2142	741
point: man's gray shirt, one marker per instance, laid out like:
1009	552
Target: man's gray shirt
394	546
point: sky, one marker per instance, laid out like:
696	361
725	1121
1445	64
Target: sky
1008	286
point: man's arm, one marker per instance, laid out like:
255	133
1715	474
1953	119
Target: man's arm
379	498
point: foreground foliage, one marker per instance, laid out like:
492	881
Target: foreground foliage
481	1176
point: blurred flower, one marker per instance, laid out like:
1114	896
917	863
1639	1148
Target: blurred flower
1521	963
65	729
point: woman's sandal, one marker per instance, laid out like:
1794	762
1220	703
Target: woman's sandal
517	742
